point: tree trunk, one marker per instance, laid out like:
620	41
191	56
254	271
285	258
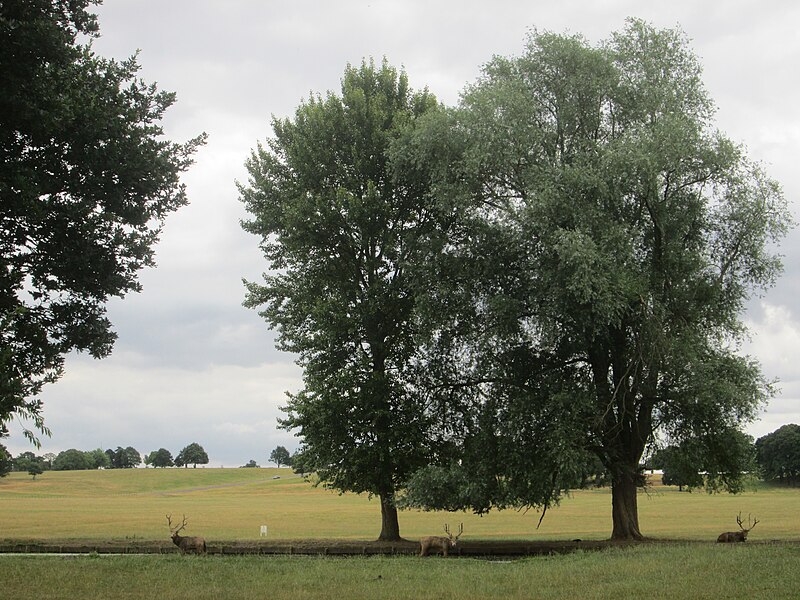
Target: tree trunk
624	507
390	526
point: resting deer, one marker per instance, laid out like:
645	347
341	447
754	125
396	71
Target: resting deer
738	536
186	543
439	543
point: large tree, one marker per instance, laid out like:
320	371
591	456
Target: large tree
86	180
343	231
616	236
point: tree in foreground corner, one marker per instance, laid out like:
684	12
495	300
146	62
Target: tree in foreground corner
343	232
616	236
86	181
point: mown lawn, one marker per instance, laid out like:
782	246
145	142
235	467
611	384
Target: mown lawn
694	571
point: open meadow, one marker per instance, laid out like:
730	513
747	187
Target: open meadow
232	504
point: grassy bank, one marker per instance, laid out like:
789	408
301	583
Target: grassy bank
682	571
232	504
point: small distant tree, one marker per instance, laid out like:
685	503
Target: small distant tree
34	469
193	454
98	459
70	460
280	456
48	458
124	458
28	462
159	458
679	467
778	455
251	465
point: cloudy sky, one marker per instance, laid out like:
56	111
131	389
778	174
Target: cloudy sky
191	364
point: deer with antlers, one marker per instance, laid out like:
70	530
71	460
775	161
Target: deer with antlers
439	543
738	536
186	543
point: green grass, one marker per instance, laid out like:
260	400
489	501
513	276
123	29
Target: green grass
231	504
682	571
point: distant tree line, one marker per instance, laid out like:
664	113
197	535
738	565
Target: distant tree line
78	460
774	457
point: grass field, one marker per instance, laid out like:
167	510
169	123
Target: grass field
698	571
231	504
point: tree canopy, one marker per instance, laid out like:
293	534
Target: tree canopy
159	458
779	454
594	303
86	181
280	456
193	454
343	231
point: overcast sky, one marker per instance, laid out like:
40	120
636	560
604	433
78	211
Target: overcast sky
191	364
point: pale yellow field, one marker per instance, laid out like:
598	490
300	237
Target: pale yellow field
232	504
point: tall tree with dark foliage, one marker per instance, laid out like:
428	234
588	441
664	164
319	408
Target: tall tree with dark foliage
86	181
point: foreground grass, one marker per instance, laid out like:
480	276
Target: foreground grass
680	571
232	504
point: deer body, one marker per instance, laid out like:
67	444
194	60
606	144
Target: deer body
737	536
186	543
436	543
439	543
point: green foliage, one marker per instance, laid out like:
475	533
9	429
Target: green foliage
280	456
193	454
251	464
343	232
71	460
779	454
159	458
6	463
86	180
608	241
98	459
680	467
124	458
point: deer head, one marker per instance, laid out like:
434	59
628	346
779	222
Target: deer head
738	536
174	531
453	539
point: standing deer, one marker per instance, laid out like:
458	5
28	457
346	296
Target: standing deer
439	543
186	543
737	536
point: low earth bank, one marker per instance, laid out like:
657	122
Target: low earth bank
331	547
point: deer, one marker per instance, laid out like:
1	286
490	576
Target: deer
186	543
737	536
440	543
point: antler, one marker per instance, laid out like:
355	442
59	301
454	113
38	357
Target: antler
460	531
447	530
750	521
180	528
